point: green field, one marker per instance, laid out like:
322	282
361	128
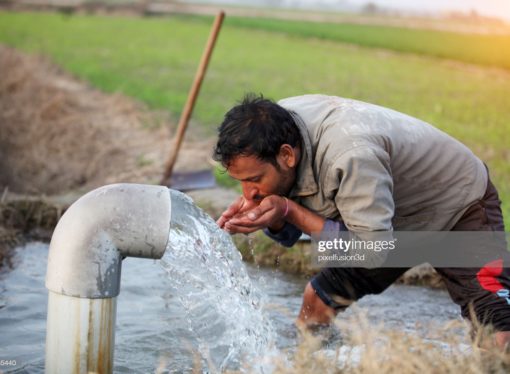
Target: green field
154	60
490	50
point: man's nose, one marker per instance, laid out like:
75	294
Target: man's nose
249	191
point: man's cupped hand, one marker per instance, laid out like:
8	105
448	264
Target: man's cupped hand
245	216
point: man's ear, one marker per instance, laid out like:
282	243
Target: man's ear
288	155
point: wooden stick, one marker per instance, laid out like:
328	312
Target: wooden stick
192	97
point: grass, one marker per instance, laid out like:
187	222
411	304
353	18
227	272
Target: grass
154	60
491	50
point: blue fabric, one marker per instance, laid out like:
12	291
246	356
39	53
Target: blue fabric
287	236
334	226
290	234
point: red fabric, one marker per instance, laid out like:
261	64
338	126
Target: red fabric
487	276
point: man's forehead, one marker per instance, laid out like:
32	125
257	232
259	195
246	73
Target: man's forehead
246	166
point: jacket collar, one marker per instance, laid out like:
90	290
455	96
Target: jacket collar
305	184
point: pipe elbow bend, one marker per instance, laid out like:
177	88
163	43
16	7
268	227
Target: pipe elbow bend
98	230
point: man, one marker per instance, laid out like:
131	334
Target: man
318	163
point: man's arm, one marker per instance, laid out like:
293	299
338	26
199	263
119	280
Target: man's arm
365	198
365	191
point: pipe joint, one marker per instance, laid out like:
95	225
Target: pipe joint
99	230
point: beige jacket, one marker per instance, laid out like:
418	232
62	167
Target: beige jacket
378	169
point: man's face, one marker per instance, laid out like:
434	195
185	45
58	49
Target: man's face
260	179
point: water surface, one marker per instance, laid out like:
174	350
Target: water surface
198	306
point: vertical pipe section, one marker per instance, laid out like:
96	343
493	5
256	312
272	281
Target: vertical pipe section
80	334
84	266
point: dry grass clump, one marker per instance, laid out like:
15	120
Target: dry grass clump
368	348
27	216
58	134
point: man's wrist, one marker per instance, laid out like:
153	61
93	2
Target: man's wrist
277	227
286	209
280	224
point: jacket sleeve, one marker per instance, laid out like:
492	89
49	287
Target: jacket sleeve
290	234
365	189
287	236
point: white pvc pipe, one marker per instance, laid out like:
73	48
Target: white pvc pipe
84	266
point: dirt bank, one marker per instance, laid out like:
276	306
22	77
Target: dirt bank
60	138
59	135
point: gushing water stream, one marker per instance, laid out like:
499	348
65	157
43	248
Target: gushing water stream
223	308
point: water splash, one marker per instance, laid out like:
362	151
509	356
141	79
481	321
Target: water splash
224	311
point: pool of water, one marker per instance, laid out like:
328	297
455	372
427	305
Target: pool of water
155	329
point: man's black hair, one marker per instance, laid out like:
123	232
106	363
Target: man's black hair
258	127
